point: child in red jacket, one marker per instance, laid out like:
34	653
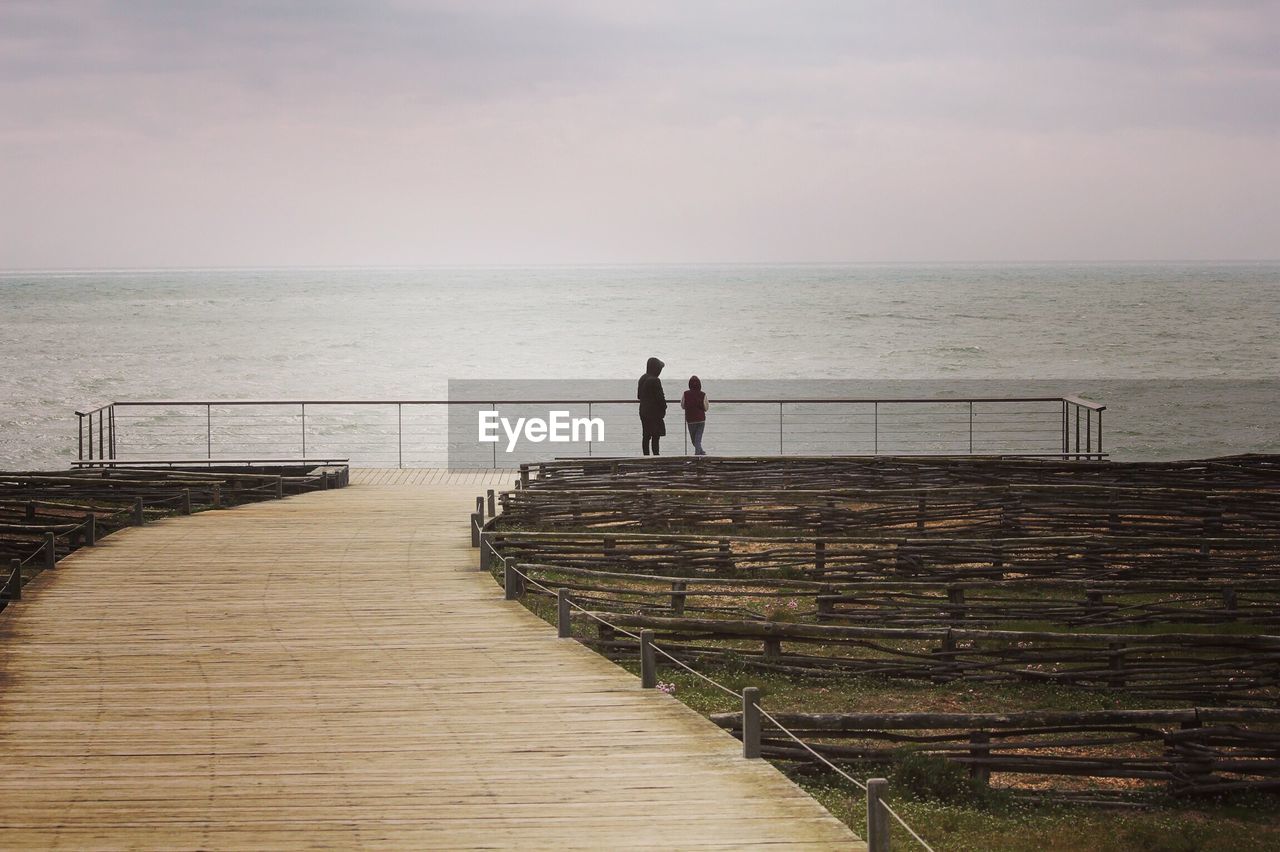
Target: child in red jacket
695	405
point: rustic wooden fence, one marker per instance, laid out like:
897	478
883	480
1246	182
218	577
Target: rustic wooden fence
1197	751
45	516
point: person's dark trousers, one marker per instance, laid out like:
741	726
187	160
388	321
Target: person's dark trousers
650	440
695	435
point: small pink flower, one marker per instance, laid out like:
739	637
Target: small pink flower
792	605
668	688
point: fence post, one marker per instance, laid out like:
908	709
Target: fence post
217	496
486	550
279	487
678	597
750	722
477	520
50	550
91	529
13	589
512	582
980	750
138	517
493	508
877	816
186	501
648	662
480	506
564	622
31	512
524	476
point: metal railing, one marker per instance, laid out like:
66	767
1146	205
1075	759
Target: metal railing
443	433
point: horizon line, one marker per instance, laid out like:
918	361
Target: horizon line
622	264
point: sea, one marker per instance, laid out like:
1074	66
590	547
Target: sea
1184	355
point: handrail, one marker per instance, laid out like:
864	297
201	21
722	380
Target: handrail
878	421
561	401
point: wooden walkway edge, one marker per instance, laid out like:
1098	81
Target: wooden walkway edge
331	670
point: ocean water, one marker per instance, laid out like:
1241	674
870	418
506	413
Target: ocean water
1183	355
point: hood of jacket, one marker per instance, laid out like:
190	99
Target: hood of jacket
695	384
653	367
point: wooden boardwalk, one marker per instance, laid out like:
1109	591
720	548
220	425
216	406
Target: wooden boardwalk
330	670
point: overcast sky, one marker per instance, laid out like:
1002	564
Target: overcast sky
390	132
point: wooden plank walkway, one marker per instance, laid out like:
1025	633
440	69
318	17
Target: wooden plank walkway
483	477
331	670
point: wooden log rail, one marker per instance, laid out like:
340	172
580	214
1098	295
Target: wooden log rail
1210	668
1194	751
998	510
833	562
1060	604
729	473
45	516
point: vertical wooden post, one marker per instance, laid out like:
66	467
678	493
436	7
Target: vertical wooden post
493	508
877	816
955	597
50	550
678	597
1230	601
217	496
1116	658
921	505
819	556
31	512
750	722
186	501
476	521
13	589
564	617
980	750
486	551
512	582
480	507
279	487
648	661
524	476
90	529
138	518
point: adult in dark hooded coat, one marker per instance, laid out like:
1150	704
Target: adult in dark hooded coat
653	406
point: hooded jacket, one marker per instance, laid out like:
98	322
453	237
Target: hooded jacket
694	402
653	402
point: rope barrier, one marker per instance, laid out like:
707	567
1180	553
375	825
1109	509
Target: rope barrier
765	713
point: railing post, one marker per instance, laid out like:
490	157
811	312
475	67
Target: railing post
477	522
564	622
486	550
512	582
877	816
186	501
111	429
1066	438
970	427
102	450
875	428
138	518
480	506
648	661
90	432
750	722
208	430
493	503
50	550
524	476
400	435
90	529
1099	431
304	429
80	452
779	427
1088	431
217	496
279	487
13	588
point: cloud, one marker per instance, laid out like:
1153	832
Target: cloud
520	120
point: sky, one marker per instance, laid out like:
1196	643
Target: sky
185	133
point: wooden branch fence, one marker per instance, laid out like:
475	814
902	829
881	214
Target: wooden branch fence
45	516
1194	751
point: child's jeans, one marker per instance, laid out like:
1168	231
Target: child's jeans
695	435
